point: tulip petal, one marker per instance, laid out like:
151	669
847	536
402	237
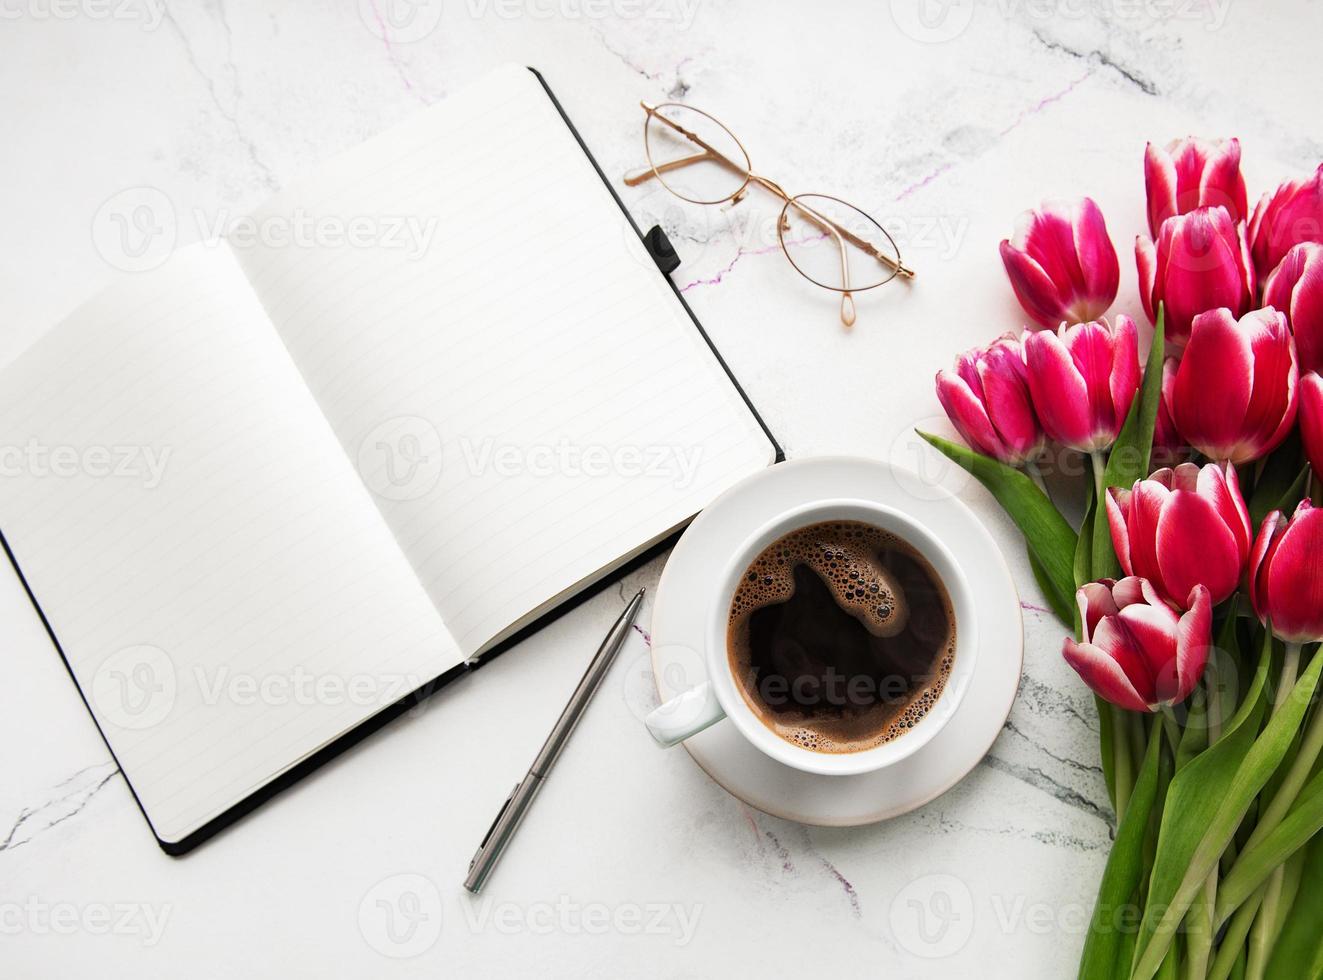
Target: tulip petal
1311	420
1090	346
1146	504
1295	578
1272	406
1296	289
1048	234
1221	487
1260	560
1152	630
1118	509
1059	393
1124	370
1213	384
1221	182
1193	639
1095	601
1159	186
1033	288
1006	396
1195	547
968	415
1103	675
1146	263
1132	589
1096	258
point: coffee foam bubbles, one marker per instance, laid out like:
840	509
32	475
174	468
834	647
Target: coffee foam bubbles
847	557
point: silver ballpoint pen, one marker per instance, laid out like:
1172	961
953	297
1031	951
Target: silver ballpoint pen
521	797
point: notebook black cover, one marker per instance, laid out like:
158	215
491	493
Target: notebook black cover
413	699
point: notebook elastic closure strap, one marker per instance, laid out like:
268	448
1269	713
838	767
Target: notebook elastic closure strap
661	250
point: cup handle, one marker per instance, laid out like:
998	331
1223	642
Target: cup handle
684	715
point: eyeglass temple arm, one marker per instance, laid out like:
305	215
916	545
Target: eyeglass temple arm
636	177
711	153
847	298
833	228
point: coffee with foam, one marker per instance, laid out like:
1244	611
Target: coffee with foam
841	636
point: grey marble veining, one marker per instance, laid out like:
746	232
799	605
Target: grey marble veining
945	120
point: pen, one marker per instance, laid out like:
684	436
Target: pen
521	797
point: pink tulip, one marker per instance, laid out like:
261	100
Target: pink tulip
1286	574
1200	262
1083	379
1193	173
1311	420
1168	446
1061	263
1289	215
1137	652
1183	528
1234	397
1295	288
987	400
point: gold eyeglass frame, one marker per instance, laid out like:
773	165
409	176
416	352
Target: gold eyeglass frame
707	152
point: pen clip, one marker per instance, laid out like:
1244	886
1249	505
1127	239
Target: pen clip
492	829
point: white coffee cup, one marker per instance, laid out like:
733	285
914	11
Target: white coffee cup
719	695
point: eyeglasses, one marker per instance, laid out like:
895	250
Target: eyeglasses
829	242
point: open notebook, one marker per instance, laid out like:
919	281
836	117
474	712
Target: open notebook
265	496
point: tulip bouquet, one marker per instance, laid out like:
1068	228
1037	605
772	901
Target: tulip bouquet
1193	583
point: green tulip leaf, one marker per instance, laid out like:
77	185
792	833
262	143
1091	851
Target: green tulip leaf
1299	949
1045	531
1083	565
1109	941
1064	613
1130	455
1206	803
1254	866
1276	488
1133	450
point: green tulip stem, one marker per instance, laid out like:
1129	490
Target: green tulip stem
1290	669
1035	474
1099	481
1122	759
1264	931
1233	938
1310	746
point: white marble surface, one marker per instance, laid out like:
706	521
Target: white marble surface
633	863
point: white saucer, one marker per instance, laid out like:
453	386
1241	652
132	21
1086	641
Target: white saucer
690	580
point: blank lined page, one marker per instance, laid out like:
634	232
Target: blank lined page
227	596
523	392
